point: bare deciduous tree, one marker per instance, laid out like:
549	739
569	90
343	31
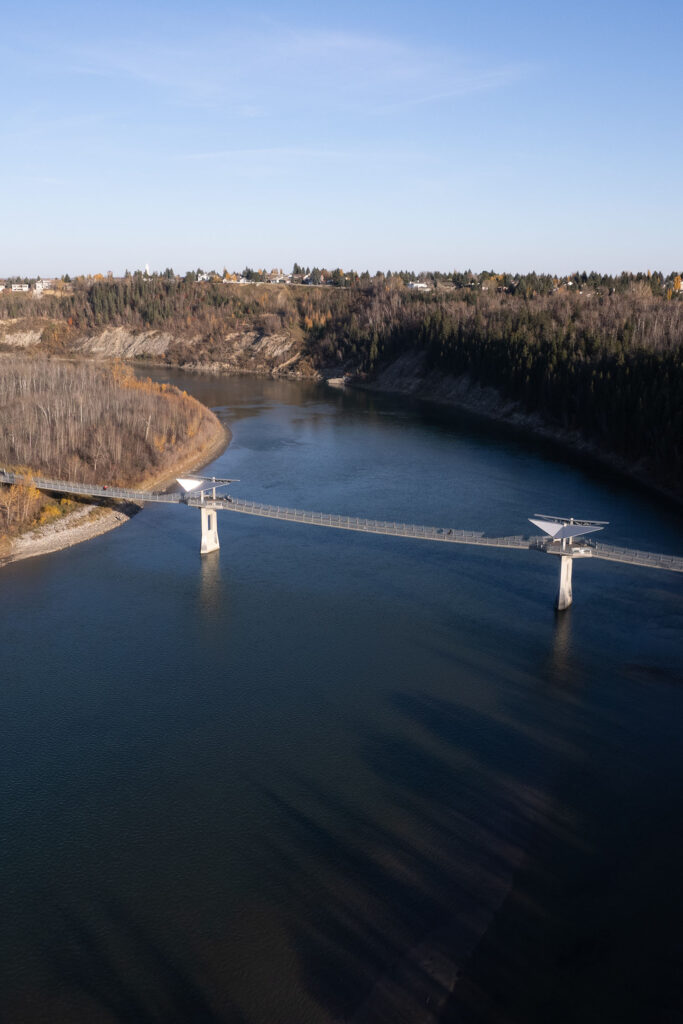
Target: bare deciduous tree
89	423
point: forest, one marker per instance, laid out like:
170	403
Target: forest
89	423
602	356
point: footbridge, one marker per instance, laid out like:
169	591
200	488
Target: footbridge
566	536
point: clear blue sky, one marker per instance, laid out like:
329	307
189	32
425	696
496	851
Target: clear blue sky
377	134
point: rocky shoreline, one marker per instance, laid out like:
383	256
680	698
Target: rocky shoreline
83	523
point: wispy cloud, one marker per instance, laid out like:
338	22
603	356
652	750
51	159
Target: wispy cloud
386	74
177	71
35	122
280	155
295	152
249	73
458	85
45	179
314	42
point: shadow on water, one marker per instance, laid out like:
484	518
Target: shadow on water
590	930
586	935
505	867
118	966
390	906
385	910
315	791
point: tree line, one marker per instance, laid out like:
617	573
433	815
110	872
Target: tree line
603	357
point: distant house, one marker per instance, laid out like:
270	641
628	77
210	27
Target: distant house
19	287
419	286
42	284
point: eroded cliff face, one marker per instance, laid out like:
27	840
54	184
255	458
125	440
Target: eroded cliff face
122	343
20	333
244	351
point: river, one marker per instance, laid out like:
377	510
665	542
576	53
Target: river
312	776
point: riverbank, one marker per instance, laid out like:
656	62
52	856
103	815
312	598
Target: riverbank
408	376
92	520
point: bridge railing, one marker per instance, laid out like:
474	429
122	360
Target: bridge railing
433	533
89	490
356	523
630	555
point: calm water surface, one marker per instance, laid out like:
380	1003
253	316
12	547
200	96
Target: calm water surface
317	771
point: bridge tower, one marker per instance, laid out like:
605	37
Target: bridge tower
561	541
564	594
200	492
210	540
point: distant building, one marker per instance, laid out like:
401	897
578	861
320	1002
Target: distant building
419	286
19	287
42	284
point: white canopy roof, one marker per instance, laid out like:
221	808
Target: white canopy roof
189	483
559	530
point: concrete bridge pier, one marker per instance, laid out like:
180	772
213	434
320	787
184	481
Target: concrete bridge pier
209	530
564	596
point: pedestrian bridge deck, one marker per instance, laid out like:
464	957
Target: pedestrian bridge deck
445	535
